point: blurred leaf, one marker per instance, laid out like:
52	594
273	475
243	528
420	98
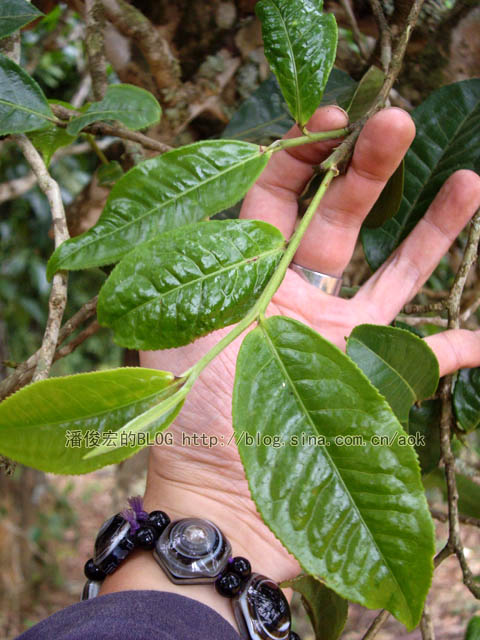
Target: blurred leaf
389	201
473	629
466	399
188	282
300	44
424	426
390	358
448	138
264	115
15	14
23	107
41	423
108	174
327	610
366	92
49	140
468	491
172	190
337	508
134	107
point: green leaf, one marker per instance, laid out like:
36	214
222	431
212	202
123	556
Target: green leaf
365	93
108	174
402	366
355	516
49	140
172	190
300	45
466	399
134	107
327	610
37	422
424	426
389	201
186	283
473	629
15	14
448	137
23	107
264	115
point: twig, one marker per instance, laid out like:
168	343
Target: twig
92	328
24	372
110	130
443	517
414	321
341	156
424	308
426	624
384	34
470	310
94	44
376	625
82	91
16	188
454	544
58	294
357	35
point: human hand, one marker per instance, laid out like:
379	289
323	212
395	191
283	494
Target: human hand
210	482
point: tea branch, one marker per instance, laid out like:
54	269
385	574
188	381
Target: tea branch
357	35
426	624
94	45
384	32
376	625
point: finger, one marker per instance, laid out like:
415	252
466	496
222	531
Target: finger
274	196
455	349
330	240
402	275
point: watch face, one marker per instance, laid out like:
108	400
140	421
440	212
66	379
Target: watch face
261	610
112	544
192	550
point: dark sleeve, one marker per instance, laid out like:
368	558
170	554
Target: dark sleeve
156	615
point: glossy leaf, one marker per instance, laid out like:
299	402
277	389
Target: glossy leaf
424	427
389	201
355	516
188	282
172	190
448	138
49	140
300	44
264	115
366	92
23	107
134	107
15	14
40	423
108	174
327	610
466	399
473	629
402	366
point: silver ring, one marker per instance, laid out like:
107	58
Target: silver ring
327	284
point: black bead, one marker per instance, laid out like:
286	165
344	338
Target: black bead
92	572
159	520
240	566
293	636
228	584
145	537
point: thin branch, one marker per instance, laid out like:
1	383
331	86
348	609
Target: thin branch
470	310
94	44
414	321
16	188
424	308
82	91
24	372
384	34
376	625
99	128
92	328
357	35
426	624
443	517
455	544
58	294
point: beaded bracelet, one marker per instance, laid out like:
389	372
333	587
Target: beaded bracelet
192	551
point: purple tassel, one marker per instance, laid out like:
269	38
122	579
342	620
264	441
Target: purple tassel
136	515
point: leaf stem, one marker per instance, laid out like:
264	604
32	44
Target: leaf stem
311	137
93	143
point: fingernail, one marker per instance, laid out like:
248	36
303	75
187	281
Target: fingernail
335	106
